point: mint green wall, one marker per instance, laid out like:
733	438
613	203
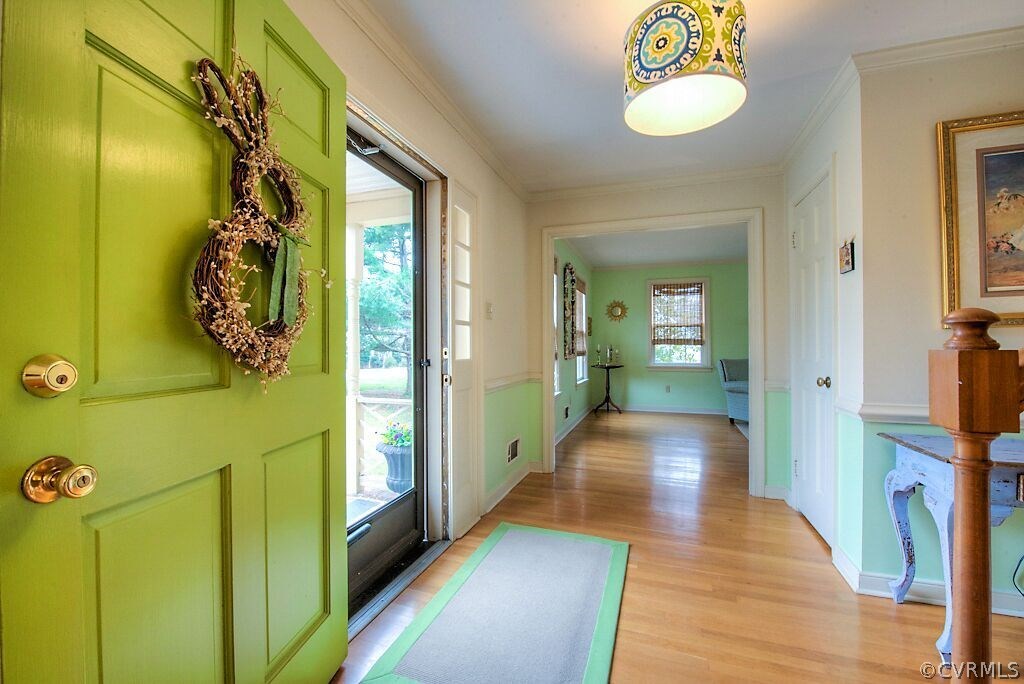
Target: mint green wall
576	397
849	518
635	386
511	412
871	542
777	438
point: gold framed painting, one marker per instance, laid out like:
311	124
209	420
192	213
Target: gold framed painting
981	191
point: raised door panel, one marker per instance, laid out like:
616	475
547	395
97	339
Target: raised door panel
156	580
297	548
310	353
157	181
303	97
164	37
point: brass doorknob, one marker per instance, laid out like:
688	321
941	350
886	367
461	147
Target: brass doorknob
821	382
48	375
53	477
825	382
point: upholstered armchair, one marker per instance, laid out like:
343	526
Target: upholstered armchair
734	376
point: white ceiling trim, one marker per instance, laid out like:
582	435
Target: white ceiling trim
847	77
684	180
942	48
368	21
866	62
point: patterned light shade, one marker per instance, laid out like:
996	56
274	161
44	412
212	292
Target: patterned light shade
686	66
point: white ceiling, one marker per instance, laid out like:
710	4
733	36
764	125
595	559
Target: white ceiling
542	79
689	245
361	177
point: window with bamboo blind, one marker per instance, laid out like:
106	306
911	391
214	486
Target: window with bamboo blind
678	323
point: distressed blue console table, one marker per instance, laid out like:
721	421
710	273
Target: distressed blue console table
923	461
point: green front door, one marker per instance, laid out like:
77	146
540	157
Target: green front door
213	547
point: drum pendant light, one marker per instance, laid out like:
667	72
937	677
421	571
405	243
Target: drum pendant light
686	66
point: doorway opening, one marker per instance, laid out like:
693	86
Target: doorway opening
660	353
654	323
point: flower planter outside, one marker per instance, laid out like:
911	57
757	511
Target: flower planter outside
399	460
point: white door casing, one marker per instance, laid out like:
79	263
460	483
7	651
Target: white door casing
756	286
812	372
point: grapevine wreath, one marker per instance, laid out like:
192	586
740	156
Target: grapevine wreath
239	107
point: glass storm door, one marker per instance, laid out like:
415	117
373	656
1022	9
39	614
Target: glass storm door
385	384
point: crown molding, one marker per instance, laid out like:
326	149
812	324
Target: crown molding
689	179
369	22
845	79
939	49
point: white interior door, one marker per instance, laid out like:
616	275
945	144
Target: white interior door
465	475
812	386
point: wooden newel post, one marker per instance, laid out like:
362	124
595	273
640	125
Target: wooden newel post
973	392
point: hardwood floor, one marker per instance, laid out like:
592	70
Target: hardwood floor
720	586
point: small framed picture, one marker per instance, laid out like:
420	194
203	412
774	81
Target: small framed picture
846	257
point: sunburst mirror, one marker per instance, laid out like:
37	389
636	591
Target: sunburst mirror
616	311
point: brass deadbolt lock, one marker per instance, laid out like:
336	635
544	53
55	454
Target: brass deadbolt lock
48	375
54	477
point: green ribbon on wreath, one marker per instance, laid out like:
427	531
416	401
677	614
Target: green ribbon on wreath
284	284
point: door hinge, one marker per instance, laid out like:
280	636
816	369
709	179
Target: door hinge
792	239
424	363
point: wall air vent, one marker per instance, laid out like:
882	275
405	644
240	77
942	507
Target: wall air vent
512	450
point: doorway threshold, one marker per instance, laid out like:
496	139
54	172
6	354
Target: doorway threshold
390	591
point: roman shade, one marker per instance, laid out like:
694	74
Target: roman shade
677	313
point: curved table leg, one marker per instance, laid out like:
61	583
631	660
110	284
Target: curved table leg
942	512
900	485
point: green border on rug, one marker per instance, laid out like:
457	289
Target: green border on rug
602	645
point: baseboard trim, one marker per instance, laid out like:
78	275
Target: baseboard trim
847	570
776	492
662	409
495	497
570	426
931	592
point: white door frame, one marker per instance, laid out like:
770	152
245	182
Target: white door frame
826	174
754	219
436	213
